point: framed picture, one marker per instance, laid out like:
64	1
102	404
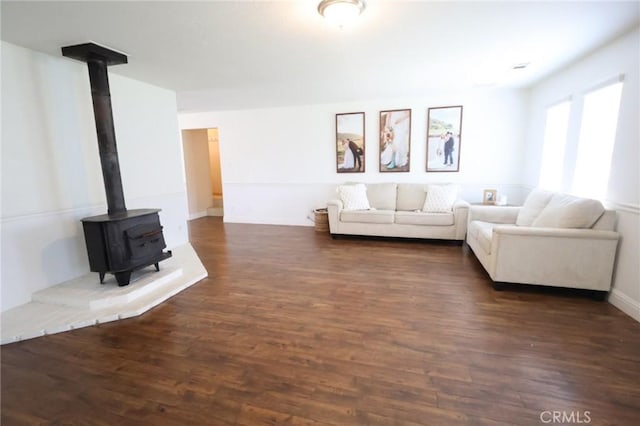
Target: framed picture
489	196
444	137
395	140
350	142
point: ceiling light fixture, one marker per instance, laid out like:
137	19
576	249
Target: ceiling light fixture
341	12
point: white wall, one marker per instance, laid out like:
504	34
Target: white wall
280	163
620	57
51	176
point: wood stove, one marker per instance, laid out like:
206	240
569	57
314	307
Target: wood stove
122	240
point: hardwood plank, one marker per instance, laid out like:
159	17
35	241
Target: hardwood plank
292	327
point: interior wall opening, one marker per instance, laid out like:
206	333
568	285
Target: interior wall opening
201	149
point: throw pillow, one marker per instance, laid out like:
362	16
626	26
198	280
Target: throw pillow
568	211
440	198
533	205
354	197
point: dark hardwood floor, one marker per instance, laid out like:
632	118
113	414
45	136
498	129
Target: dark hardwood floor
292	327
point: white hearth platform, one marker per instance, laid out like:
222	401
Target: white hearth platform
83	301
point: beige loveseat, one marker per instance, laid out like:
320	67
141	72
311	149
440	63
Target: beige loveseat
554	239
405	210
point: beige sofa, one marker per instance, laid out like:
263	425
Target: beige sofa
554	239
398	210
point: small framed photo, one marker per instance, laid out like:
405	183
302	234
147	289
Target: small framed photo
489	196
444	137
395	140
350	142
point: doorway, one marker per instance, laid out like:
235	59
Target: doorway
201	149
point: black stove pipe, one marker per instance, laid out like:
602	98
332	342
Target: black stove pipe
97	59
106	136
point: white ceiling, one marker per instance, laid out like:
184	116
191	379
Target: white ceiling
245	54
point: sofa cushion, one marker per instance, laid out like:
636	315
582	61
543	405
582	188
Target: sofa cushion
419	218
568	211
382	196
440	198
354	197
607	221
367	216
482	232
533	205
411	196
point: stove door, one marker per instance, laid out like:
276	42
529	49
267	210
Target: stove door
145	241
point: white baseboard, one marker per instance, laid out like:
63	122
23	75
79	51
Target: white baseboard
625	304
197	215
215	211
288	221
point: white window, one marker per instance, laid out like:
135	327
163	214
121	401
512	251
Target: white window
597	136
555	141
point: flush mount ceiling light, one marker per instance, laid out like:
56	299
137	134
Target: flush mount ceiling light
340	12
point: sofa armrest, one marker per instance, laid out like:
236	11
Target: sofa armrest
494	214
460	204
581	258
334	207
460	217
336	203
526	231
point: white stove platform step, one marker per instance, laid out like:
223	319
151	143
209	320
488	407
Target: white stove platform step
84	301
90	294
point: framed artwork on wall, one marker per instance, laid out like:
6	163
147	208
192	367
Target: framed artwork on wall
350	142
444	137
395	140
